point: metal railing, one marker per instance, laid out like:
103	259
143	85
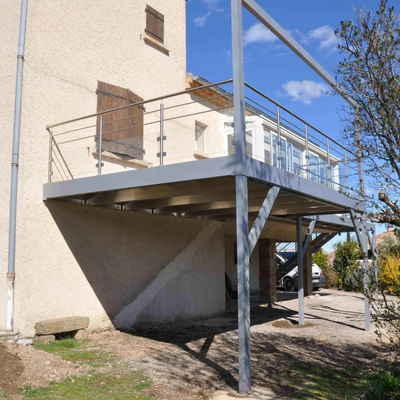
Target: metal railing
168	129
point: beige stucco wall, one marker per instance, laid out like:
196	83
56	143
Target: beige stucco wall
76	260
9	24
231	267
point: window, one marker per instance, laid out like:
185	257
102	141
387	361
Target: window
298	167
199	136
249	143
314	168
267	146
154	24
123	129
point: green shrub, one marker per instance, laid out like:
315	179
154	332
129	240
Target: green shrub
385	386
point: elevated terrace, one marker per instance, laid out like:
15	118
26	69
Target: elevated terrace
176	155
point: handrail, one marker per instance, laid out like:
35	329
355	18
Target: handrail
48	127
296	116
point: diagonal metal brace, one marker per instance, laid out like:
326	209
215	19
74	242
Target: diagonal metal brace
309	236
262	217
357	230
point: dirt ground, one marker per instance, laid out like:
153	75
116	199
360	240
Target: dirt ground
202	357
25	366
194	360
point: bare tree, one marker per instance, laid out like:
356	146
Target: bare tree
369	74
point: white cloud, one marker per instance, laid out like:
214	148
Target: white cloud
304	91
258	33
325	35
213	5
200	21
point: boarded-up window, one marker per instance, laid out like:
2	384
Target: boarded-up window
155	24
122	129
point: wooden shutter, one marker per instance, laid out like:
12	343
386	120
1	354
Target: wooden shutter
155	24
123	129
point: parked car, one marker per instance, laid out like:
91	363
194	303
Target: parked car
290	280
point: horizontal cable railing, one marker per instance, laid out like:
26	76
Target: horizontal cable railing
195	124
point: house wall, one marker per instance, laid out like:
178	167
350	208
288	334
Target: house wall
72	260
231	267
9	25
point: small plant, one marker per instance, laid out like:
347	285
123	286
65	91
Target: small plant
385	386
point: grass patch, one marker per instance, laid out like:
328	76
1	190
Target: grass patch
318	383
3	395
97	386
78	351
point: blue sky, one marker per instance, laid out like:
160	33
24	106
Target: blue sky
269	65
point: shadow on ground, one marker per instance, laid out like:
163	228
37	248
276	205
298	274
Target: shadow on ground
205	355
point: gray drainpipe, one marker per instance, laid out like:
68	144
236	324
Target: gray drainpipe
14	168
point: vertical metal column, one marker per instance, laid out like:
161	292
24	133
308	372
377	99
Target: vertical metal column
50	172
346	173
243	273
162	134
279	143
238	78
100	151
243	252
364	237
300	256
375	265
307	153
329	172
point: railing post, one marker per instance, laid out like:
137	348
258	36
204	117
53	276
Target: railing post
307	153
346	173
50	172
161	138
279	144
100	150
329	172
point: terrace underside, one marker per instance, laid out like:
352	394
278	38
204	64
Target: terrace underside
210	194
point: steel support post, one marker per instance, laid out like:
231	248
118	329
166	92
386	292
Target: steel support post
50	172
307	153
362	238
243	273
346	173
161	134
300	255
242	215
375	265
279	142
366	279
329	172
100	151
238	78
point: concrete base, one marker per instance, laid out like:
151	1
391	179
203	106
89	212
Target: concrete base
266	251
9	336
256	394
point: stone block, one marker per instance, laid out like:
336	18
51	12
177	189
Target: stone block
81	334
45	339
61	325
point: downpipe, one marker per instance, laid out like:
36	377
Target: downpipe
14	168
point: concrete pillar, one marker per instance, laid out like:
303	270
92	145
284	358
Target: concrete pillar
266	252
307	265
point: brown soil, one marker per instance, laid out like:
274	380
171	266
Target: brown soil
290	325
25	366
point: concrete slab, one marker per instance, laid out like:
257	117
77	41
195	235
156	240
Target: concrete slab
256	394
9	335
